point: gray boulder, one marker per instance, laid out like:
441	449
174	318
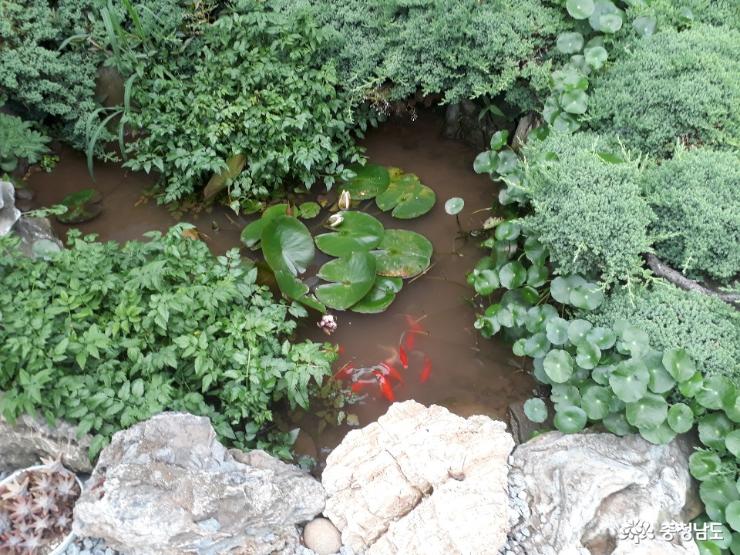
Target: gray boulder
575	493
9	214
166	486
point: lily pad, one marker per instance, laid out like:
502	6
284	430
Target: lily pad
352	278
536	410
287	245
407	197
82	206
358	231
252	234
454	205
370	180
380	296
309	210
403	253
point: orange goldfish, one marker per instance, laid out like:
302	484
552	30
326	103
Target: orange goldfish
426	370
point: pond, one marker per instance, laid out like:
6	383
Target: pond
466	373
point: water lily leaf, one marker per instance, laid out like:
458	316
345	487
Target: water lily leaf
660	435
252	234
536	345
570	419
649	411
704	464
713	428
569	43
295	289
287	245
454	206
403	253
558	365
536	410
679	364
352	278
485	162
629	380
407	197
579	9
309	210
485	282
358	231
219	181
714	391
507	231
370	180
380	296
82	206
595	401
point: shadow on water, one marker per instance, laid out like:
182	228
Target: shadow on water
470	375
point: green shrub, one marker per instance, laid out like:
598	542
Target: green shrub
673	86
106	335
253	84
18	140
696	197
459	49
707	328
52	86
588	211
683	13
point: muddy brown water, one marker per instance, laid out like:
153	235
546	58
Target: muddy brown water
470	375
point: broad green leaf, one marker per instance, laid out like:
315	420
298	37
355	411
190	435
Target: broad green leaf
309	210
629	380
536	345
536	410
713	428
485	282
536	275
512	275
610	23
561	287
679	364
660	380
579	9
660	435
565	395
406	197
588	296
732	515
644	25
507	231
601	8
403	253
596	56
558	365
603	338
595	401
692	386
704	464
570	419
635	341
454	206
380	296
714	391
716	493
507	161
357	231
557	331
578	330
352	278
570	43
370	180
287	244
649	411
499	139
485	162
252	234
732	442
617	424
535	251
574	102
587	355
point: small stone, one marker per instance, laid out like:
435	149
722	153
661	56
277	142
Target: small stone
322	537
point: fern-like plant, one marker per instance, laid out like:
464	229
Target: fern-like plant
18	140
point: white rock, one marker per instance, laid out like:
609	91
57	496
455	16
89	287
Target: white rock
167	487
421	481
322	537
583	488
9	214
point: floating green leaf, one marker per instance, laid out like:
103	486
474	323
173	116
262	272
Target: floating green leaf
309	210
558	365
629	380
287	244
380	296
512	275
649	411
352	278
407	197
679	364
82	206
595	401
403	253
357	231
578	330
536	410
454	206
370	180
570	419
252	234
557	331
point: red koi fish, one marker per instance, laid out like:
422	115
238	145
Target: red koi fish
426	370
391	372
403	357
360	385
385	386
409	336
344	372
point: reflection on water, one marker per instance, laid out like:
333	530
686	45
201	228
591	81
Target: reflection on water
466	373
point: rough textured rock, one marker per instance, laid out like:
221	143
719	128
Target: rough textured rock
31	230
30	438
322	537
421	481
9	214
573	493
168	487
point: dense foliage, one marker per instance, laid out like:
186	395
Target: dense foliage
105	335
706	327
253	90
18	140
456	49
588	209
686	12
697	69
38	79
696	198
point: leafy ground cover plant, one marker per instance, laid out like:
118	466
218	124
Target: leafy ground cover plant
696	198
459	50
19	141
106	335
253	87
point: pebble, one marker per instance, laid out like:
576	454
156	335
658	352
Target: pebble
322	536
89	546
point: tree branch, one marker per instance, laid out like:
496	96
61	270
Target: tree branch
677	278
